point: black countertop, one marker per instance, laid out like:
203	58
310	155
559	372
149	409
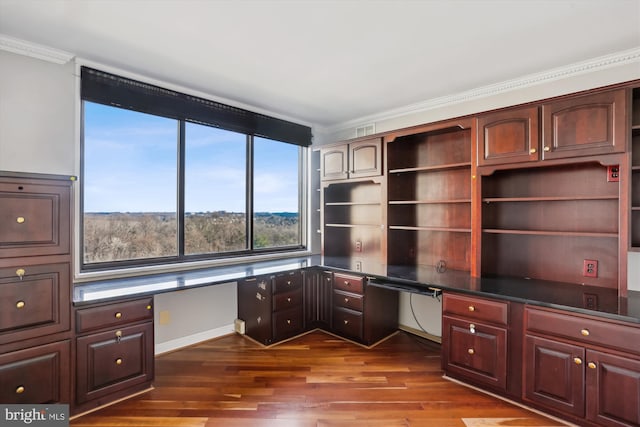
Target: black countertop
592	300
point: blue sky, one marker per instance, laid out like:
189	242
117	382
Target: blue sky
130	163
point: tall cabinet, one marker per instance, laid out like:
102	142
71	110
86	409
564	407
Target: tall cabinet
35	289
635	169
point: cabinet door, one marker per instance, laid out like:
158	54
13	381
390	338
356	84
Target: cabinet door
317	299
365	158
476	351
508	136
613	389
255	307
334	163
111	361
584	126
554	375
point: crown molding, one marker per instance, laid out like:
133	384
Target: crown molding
34	50
596	64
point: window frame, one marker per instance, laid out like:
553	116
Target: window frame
219	258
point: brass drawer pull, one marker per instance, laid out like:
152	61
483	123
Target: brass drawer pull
577	361
20	273
585	332
591	365
20	389
20	304
346	300
288	321
347	283
346	322
118	361
472	308
118	315
118	336
532	151
288	282
149	307
20	220
471	351
289	299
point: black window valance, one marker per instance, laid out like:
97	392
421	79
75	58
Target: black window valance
110	89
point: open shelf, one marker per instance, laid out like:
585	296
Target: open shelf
550	233
431	168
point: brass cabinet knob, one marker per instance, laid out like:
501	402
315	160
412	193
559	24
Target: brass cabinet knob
346	300
547	148
471	351
472	328
118	361
591	365
118	315
20	389
532	151
472	308
20	304
577	361
20	220
20	273
118	335
585	332
346	322
149	307
288	321
288	282
289	299
347	283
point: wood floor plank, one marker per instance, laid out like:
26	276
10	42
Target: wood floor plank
314	380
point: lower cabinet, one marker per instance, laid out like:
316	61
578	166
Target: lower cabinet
584	368
38	374
114	351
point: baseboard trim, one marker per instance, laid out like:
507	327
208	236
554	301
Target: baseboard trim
420	333
181	342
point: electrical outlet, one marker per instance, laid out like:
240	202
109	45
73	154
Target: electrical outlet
613	173
358	246
590	268
590	301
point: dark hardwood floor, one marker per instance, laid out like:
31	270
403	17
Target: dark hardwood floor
313	380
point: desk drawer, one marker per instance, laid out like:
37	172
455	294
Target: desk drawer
34	301
287	323
348	283
287	282
476	308
583	329
348	323
114	315
287	300
348	300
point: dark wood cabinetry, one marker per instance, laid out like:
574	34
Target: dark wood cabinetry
429	176
272	306
476	343
114	351
35	288
635	171
358	159
586	125
509	136
318	288
582	366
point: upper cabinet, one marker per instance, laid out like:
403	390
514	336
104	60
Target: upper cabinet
584	126
358	159
509	136
635	170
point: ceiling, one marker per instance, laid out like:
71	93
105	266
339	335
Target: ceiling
327	62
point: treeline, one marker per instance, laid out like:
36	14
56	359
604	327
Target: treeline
121	236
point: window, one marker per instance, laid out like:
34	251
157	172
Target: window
168	177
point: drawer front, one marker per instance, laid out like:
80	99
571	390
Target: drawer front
348	300
476	308
113	315
348	283
34	219
287	300
114	360
348	323
584	330
34	301
287	282
287	323
36	375
478	351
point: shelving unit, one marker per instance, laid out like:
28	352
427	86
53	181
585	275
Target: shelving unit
635	171
353	223
558	215
429	199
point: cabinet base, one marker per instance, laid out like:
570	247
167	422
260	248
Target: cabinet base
97	408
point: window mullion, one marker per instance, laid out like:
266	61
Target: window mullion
249	217
181	185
